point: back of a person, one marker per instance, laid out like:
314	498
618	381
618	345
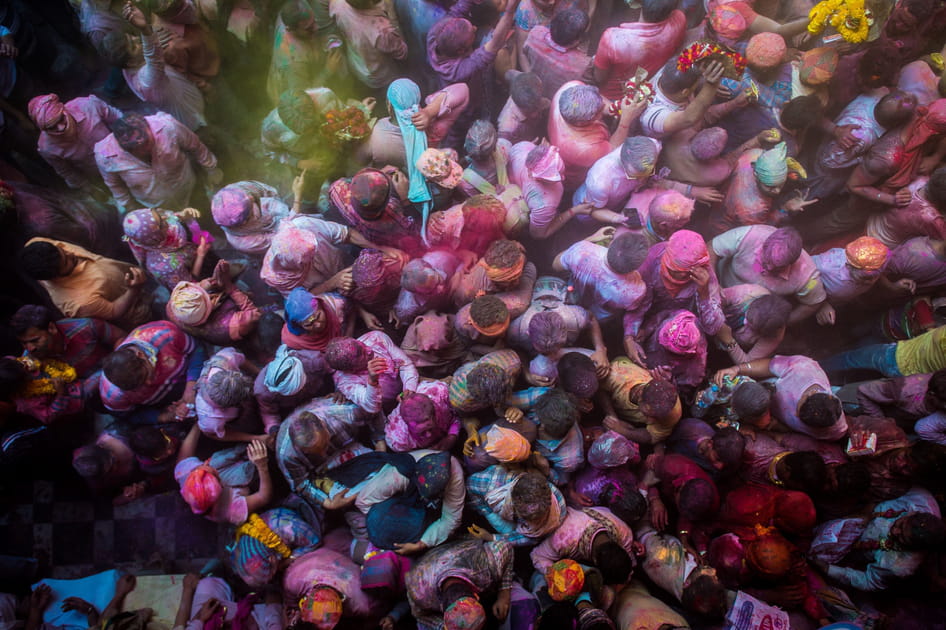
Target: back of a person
554	64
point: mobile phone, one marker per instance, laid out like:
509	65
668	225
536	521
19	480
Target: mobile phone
633	218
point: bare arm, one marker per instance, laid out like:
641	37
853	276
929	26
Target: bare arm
503	28
694	112
257	453
189	445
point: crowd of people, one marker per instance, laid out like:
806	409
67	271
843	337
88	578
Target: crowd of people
559	314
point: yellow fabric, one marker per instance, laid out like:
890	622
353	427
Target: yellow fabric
923	354
256	528
625	375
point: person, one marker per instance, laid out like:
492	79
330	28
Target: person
373	40
423	419
522	507
223	397
613	178
920	355
292	378
906	398
557	53
921	217
849	273
248	212
312	321
69	132
302	55
147	161
594	537
256	558
756	321
163	243
371	370
47	391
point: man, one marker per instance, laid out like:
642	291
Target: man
370	371
523	508
614	177
555	52
83	343
146	162
593	536
69	132
301	57
373	40
83	284
906	398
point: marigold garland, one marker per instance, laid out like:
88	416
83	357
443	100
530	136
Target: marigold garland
52	369
848	17
635	89
345	125
703	49
255	527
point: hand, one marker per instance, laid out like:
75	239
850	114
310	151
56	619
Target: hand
221	275
399	181
371	320
394	319
78	604
377	366
724	93
513	415
541	463
583	209
369	103
903	197
798	203
906	285
421	119
188	213
40	597
844	134
631	109
209	609
343	281
658	515
214	176
927	164
576	498
204	246
769	137
700	276
134	277
538	380
661	372
473	440
713	72
298	184
164	37
479	532
135	17
613	423
338	398
257	454
731	372
8	49
126	584
602	365
340	501
707	194
501	607
634	351
386	623
407	549
603	234
826	315
59	385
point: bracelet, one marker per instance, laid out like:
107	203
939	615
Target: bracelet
748	366
730	345
683	532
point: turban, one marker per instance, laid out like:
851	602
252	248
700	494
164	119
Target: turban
368	270
201	489
795	512
505	275
254	562
565	578
771	167
550	166
300	306
385	571
709	143
611	450
399	519
145	228
765	51
439	166
681	333
685	249
431	474
322	607
727	21
232	206
369	191
818	66
639	155
465	613
671	207
866	253
190	304
770	555
781	249
580	104
404	99
285	374
46	110
507	445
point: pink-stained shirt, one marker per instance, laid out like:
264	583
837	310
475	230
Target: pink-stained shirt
72	156
744	203
898	224
622	49
330	568
841	282
164	87
401	375
579	147
304	252
211	417
373	41
917	260
515	125
516	298
164	183
610	293
542	197
554	64
607	185
794	375
574	537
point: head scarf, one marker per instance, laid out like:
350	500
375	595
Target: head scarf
404	98
765	51
300	306
866	253
431	475
201	489
255	563
771	168
685	250
781	249
370	189
465	613
549	168
396	520
46	110
818	66
190	304
322	607
727	22
151	229
670	207
930	122
232	206
795	512
440	167
611	450
285	374
565	578
506	445
681	334
709	143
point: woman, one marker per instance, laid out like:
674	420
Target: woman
314	320
169	250
248	213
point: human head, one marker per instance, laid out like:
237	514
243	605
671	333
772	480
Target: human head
526	92
565	579
626	252
370	190
657	10
418	413
728	446
126	369
531	497
201	489
768	314
308	433
765	52
480	140
568	26
92	462
190	304
685	250
781	249
681	334
305	313
545	163
697	499
908	15
878	67
49	114
285	374
43	261
705	596
866	254
133	133
668	212
419	276
580	105
455	38
818	65
851	479
804	471
255	563
298	112
800	112
504	261
227	388
346	354
370	274
895	109
322	607
795	513
919	531
489	315
613	561
611	450
547	332
577	375
464	613
150	442
771	169
557	413
233	206
769	556
505	445
35	328
298	19
440	166
727	22
820	410
625	501
675	82
488	383
639	157
750	402
709	143
658	399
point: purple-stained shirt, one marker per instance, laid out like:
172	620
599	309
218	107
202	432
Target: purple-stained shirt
542	197
901	397
841	282
794	375
397	432
607	293
607	185
515	125
744	203
897	224
917	260
575	536
400	375
330	568
554	64
470	69
72	156
410	304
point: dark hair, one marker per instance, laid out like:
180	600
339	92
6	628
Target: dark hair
556	412
31	316
937	384
920	9
526	91
531	494
852	478
626	252
128	130
567	26
577	375
625	501
12	376
659	396
936	187
147	441
801	112
488	383
298	112
729	445
698	499
750	400
488	310
888	119
820	410
705	596
613	561
673	80
345	354
113	48
293	14
503	254
304	429
125	369
92	461
768	314
547	331
657	10
878	67
40	260
925	532
806	471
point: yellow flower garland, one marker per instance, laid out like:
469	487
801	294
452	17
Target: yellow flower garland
255	527
848	17
53	369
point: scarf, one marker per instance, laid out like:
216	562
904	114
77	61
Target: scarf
684	250
930	122
504	275
404	98
680	334
285	374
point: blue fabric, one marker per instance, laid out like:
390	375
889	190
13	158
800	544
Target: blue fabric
881	357
96	589
404	98
300	305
